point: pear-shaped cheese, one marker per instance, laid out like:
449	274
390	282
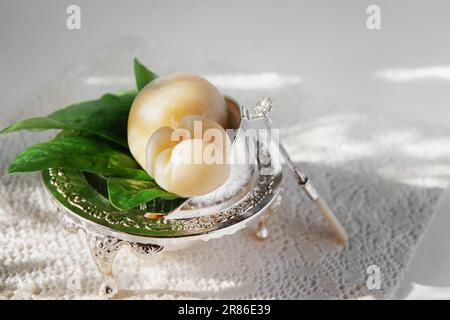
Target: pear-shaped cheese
165	102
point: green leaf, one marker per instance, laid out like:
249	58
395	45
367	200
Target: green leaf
143	75
106	117
127	193
84	153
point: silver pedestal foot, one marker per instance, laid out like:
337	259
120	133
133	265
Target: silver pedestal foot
262	231
104	249
109	288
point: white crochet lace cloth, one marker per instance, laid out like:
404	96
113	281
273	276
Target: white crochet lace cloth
367	162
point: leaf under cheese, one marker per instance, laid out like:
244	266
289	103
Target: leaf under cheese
84	153
106	117
128	193
143	75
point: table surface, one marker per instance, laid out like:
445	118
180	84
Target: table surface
405	65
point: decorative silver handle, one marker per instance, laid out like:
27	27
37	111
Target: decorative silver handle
261	111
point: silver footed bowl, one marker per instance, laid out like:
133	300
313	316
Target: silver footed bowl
251	188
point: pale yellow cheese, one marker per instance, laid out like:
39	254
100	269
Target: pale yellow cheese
165	101
180	101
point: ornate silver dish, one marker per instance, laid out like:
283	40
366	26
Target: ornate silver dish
82	206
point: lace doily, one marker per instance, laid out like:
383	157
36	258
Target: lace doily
364	161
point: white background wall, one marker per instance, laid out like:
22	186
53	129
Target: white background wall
324	41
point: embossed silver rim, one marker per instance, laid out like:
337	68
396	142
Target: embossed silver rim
206	227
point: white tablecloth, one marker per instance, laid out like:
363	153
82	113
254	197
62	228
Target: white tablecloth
371	165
